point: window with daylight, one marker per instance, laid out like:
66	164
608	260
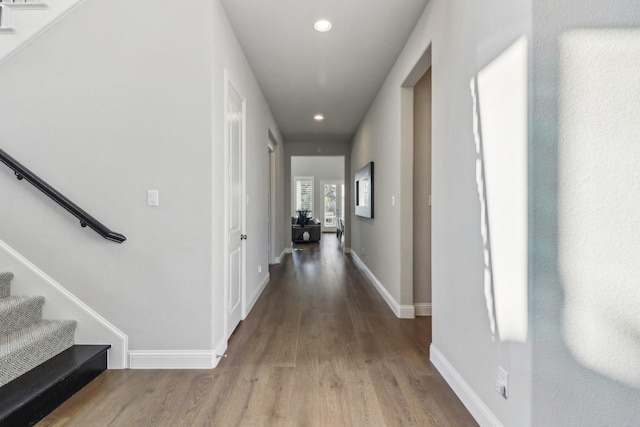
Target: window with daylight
304	193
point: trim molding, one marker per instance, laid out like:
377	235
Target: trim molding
478	409
177	359
401	311
255	297
282	254
347	250
172	359
423	309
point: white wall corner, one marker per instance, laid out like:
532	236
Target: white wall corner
423	309
407	312
61	304
255	297
478	409
402	312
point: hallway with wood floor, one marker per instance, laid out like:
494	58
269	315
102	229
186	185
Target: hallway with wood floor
320	348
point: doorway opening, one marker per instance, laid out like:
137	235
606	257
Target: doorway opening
271	214
317	184
416	113
422	195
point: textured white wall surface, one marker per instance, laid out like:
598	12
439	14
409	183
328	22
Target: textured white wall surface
598	159
585	213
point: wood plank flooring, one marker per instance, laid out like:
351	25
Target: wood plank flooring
320	348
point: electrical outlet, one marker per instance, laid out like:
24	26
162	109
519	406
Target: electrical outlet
502	383
259	269
362	251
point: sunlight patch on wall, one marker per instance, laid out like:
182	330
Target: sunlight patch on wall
500	128
599	199
484	230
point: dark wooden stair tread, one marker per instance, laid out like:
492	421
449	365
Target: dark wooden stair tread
27	399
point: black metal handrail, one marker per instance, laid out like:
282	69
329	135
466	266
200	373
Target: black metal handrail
85	219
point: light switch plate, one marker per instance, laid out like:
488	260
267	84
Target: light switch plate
153	198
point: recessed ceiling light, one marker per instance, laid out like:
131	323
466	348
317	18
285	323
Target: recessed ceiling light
322	25
318	117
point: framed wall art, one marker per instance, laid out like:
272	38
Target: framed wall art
364	191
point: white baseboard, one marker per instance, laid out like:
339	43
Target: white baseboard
171	359
478	409
61	304
347	250
423	309
282	254
401	311
255	297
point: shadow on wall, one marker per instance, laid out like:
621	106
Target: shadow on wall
500	98
599	199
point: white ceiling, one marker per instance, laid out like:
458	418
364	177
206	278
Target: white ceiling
303	72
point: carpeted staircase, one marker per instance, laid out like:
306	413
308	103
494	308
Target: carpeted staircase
26	340
40	367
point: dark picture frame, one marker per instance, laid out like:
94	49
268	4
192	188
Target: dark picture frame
364	191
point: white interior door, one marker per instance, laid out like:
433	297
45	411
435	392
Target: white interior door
235	206
331	193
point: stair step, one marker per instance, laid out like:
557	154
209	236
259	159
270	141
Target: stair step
19	312
27	348
30	397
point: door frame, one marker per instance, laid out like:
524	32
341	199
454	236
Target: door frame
228	82
271	202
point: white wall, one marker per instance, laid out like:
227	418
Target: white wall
465	36
585	208
115	99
